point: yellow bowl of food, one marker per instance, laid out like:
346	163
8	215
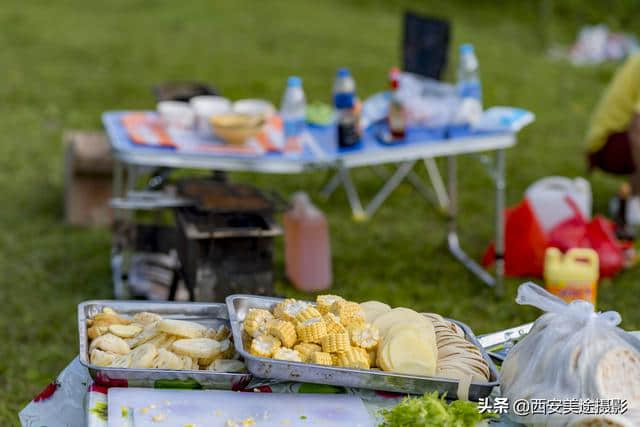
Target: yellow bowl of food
236	128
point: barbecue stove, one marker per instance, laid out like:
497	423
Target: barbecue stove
225	239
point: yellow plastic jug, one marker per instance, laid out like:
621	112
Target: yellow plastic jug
573	275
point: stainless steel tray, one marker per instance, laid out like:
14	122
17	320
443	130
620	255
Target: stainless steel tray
209	314
238	305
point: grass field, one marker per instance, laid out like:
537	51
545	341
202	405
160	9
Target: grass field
64	63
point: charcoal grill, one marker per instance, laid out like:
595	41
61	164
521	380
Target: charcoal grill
225	240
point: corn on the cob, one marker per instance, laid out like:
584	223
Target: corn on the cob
366	336
264	345
311	330
321	358
348	312
306	350
364	353
278	310
373	354
335	357
255	322
284	331
246	339
287	354
335	342
353	358
324	302
308	313
288	309
333	324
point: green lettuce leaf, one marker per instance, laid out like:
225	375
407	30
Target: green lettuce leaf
433	411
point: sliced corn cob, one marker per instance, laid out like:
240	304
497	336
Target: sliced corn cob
335	342
287	354
255	323
311	330
353	358
306	314
288	309
306	350
362	352
333	324
284	331
335	357
324	302
366	336
264	345
321	358
373	354
246	339
278	310
348	312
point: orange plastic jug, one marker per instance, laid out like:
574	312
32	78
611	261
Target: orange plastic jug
306	246
573	275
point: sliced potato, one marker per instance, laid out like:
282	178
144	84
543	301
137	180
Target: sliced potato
374	309
125	331
385	321
145	317
410	353
167	360
143	356
111	343
182	328
197	347
101	358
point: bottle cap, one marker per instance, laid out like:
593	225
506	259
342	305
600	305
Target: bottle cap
294	81
343	72
466	48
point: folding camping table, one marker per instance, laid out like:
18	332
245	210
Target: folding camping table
323	154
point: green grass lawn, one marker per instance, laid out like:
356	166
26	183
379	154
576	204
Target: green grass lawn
64	63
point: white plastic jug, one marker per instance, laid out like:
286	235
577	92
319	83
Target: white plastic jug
548	199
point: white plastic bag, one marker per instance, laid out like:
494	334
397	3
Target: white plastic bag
571	352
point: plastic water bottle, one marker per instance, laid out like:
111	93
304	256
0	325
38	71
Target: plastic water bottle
293	108
469	86
344	100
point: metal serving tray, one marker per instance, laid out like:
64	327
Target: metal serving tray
238	305
208	314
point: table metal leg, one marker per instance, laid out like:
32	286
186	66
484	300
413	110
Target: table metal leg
413	179
500	184
354	200
395	180
331	185
437	183
453	240
119	239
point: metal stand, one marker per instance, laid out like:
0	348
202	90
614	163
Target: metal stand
402	172
453	239
447	201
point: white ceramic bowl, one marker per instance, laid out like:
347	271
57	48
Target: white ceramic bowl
176	114
254	107
206	107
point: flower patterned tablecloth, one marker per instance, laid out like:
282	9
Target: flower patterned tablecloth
72	400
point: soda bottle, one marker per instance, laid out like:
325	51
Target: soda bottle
293	108
344	99
397	118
